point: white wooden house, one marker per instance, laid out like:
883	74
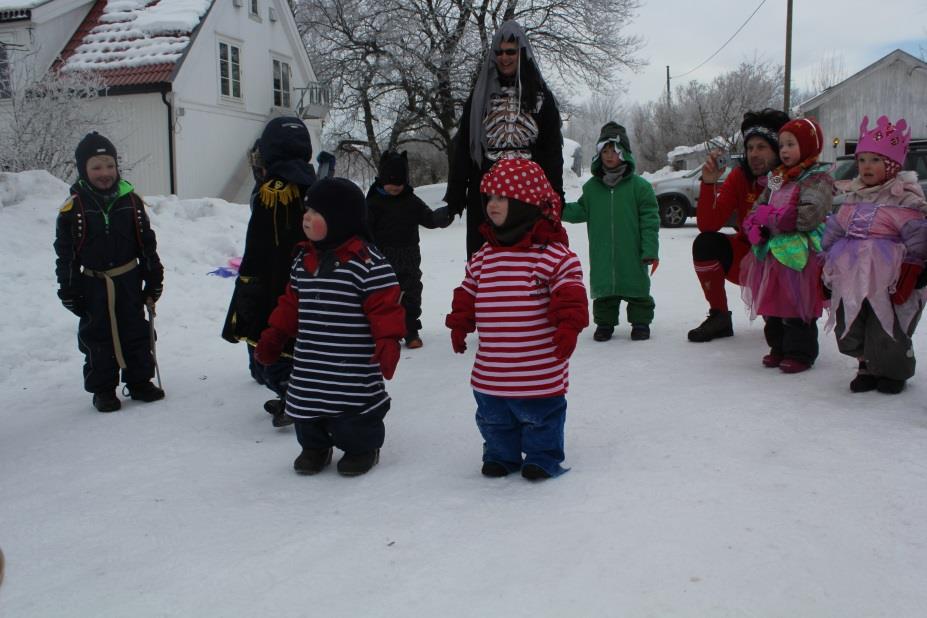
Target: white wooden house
189	83
895	85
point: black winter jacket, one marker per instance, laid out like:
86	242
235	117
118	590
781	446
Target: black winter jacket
394	220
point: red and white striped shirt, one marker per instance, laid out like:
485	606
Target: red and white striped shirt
512	288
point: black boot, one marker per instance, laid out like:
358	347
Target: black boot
534	473
273	406
106	401
493	469
145	391
864	381
603	332
716	325
312	460
890	386
355	464
640	332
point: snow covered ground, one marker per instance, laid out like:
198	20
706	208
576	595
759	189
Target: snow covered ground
702	484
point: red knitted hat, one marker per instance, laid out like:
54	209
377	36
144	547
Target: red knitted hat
808	133
522	180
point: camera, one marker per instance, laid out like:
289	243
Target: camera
722	161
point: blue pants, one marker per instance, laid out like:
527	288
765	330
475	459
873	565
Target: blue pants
511	427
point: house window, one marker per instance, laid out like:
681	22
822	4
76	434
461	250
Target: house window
281	84
6	82
253	7
229	70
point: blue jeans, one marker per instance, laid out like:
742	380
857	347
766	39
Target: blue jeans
511	427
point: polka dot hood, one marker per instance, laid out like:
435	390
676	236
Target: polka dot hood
523	180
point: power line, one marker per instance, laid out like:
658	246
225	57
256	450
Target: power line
725	43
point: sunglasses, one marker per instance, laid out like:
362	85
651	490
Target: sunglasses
506	52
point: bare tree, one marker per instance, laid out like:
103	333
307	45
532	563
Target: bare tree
587	118
402	69
45	117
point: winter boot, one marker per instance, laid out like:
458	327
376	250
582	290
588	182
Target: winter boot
793	365
355	464
772	360
312	460
640	332
145	391
716	325
413	341
864	381
106	401
534	473
494	469
890	386
277	409
603	332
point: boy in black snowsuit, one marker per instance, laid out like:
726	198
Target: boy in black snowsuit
273	231
108	269
394	213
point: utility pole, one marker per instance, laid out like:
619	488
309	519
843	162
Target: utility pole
788	58
668	85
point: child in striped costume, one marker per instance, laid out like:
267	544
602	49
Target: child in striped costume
342	307
523	292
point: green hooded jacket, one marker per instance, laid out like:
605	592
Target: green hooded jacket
623	225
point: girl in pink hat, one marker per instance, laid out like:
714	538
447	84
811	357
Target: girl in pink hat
780	277
523	292
875	249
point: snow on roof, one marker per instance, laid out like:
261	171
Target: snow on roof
134	33
17	5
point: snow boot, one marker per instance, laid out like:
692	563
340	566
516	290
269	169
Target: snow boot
640	332
145	391
890	386
793	365
355	464
534	473
772	360
106	401
716	325
603	332
312	460
864	381
494	469
413	341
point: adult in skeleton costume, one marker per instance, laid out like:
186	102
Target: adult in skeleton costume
511	114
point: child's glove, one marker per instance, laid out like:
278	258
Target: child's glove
654	264
386	353
565	342
442	217
907	278
72	301
271	345
151	293
458	340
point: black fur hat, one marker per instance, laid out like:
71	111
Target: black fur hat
92	145
764	123
394	168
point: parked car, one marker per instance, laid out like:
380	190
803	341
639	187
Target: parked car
677	194
844	167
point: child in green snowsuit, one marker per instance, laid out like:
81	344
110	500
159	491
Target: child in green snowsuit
623	223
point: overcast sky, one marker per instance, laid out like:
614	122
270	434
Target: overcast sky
683	33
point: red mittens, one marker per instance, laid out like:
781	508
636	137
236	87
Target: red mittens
271	345
458	340
386	353
565	342
906	280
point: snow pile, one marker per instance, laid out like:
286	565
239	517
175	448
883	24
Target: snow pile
702	484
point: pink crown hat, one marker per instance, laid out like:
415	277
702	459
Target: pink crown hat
886	139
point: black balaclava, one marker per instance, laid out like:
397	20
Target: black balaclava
519	220
285	148
342	204
92	145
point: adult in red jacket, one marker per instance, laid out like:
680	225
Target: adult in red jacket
717	256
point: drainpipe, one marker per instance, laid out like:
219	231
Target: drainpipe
167	98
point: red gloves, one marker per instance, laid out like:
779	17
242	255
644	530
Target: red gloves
906	280
386	354
565	342
654	264
458	340
271	345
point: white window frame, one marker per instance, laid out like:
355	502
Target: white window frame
254	10
230	45
282	96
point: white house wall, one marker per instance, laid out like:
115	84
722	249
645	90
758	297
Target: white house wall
894	90
212	133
